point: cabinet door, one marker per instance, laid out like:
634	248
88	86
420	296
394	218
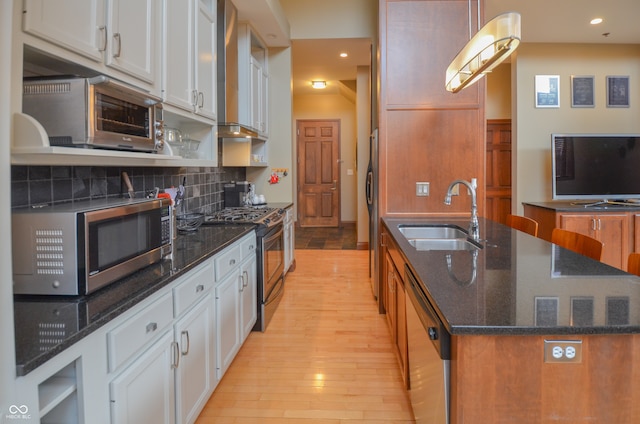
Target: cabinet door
77	25
256	84
133	37
579	223
206	68
391	297
249	295
227	307
179	50
264	103
145	391
613	232
401	325
196	369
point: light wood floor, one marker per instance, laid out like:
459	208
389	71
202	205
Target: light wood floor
326	356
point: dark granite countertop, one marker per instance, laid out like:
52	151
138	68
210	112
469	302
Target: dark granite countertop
66	320
523	285
585	205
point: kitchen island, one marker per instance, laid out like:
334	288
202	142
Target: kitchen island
508	305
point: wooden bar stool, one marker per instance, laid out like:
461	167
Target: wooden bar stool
579	243
522	223
633	264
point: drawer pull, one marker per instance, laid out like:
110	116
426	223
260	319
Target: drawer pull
187	344
176	355
199	288
232	262
151	327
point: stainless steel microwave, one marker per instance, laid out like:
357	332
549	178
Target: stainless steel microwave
95	112
76	248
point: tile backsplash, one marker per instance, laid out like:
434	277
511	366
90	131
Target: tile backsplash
36	185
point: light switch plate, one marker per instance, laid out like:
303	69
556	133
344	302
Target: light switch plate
422	189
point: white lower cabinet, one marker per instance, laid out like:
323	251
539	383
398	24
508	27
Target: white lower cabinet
248	296
227	322
195	370
235	300
145	391
289	240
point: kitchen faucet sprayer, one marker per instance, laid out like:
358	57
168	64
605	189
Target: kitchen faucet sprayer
474	225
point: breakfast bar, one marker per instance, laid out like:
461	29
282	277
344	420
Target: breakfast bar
537	333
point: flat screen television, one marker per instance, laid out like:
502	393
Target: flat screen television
601	168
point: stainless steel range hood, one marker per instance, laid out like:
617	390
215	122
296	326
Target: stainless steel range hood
227	49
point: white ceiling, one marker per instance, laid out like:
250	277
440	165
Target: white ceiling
543	21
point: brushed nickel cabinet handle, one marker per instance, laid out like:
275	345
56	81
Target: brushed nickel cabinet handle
151	327
184	334
103	30
176	355
118	40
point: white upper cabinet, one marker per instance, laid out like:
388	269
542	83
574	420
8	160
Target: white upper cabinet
121	35
190	71
134	37
253	80
77	25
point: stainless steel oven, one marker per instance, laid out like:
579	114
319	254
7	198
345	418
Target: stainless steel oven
271	266
270	254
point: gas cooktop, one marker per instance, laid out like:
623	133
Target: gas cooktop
247	214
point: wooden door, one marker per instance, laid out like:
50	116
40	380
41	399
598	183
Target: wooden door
318	144
498	171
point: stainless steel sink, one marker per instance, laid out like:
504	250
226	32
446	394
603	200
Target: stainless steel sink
432	232
444	244
438	237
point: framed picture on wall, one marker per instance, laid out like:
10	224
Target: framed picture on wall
617	91
547	91
582	88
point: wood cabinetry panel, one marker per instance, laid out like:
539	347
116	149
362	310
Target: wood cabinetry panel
437	146
518	386
615	230
419	50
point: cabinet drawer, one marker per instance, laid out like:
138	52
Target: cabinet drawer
227	261
129	337
194	286
248	246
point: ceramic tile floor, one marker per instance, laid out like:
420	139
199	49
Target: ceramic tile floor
329	238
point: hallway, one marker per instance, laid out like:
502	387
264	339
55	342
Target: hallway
326	356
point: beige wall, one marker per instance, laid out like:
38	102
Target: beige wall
532	127
310	19
336	106
498	103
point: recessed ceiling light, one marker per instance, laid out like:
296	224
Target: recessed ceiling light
596	21
318	84
344	54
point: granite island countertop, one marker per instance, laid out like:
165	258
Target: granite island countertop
46	325
520	285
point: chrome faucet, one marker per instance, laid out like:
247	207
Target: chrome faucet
474	225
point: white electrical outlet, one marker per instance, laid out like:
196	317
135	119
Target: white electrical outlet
563	351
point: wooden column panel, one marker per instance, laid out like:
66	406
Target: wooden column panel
504	379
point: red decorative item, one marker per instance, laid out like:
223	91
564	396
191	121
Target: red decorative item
274	179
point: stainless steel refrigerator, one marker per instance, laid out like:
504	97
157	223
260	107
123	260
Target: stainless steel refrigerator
372	206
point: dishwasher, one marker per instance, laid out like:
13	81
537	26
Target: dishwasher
429	357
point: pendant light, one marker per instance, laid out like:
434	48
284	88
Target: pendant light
489	47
